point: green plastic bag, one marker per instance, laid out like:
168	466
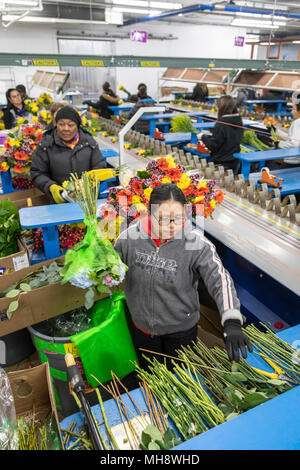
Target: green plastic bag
108	345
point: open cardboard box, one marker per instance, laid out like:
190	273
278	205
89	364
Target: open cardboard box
26	197
32	389
15	262
42	303
210	330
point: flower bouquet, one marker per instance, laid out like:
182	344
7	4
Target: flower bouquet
44	117
45	101
20	147
93	264
126	204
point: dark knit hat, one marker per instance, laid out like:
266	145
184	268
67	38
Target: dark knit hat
68	113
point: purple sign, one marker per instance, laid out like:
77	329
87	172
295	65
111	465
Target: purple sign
239	41
138	36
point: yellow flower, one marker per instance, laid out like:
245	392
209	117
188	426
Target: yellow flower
65	184
180	104
121	102
121	87
184	181
213	203
20	120
141	207
202	184
35	119
2	125
104	134
198	199
170	161
27	101
4	166
166	180
148	192
189	106
212	110
200	108
136	199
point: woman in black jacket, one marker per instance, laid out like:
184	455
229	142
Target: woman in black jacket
226	136
15	108
200	92
108	98
142	125
68	149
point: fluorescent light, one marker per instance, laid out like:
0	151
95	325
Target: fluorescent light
296	42
44	19
268	43
20	2
147	4
257	24
136	10
259	16
166	6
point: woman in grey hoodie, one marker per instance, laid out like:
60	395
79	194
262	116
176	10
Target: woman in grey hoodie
167	257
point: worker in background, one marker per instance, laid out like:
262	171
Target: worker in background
108	98
241	96
200	92
271	95
67	149
141	94
142	125
54	108
22	90
226	136
288	139
167	257
15	108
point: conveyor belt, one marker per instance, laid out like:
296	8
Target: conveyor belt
266	241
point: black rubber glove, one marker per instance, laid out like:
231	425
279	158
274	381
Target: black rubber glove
235	340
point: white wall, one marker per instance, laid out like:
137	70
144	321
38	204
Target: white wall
193	41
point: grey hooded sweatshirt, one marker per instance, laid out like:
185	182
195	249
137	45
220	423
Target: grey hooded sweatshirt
161	285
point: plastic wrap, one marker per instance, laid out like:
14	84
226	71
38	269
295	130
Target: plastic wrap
68	324
8	421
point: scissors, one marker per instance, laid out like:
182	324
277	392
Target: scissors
278	372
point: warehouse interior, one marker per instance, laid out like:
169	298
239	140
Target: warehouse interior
149	226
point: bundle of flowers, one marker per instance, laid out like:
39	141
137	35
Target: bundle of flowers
21	182
20	147
32	106
93	263
125	205
45	101
44	117
2	126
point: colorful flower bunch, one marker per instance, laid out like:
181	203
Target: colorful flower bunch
34	106
132	201
20	147
44	117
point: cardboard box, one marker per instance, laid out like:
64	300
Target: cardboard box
209	339
167	90
15	262
42	303
22	194
34	201
32	388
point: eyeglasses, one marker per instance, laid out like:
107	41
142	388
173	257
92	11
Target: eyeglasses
167	221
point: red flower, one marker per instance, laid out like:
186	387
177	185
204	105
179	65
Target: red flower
137	187
163	165
155	184
174	174
6	144
39	136
18	168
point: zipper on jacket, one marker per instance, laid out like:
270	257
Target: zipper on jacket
152	287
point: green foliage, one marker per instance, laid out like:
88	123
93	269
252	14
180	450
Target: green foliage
152	439
10	228
182	123
251	139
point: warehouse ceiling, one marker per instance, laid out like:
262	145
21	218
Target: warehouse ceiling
270	18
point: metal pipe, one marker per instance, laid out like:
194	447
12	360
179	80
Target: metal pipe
128	126
201	7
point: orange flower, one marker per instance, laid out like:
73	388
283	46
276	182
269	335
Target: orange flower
207	211
219	196
21	156
174	174
137	187
155	184
18	168
189	190
124	196
200	192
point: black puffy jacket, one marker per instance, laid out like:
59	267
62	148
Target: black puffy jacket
53	162
225	139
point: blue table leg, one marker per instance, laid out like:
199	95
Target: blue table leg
279	107
166	128
194	139
152	127
250	106
199	119
6	182
262	164
51	242
246	166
